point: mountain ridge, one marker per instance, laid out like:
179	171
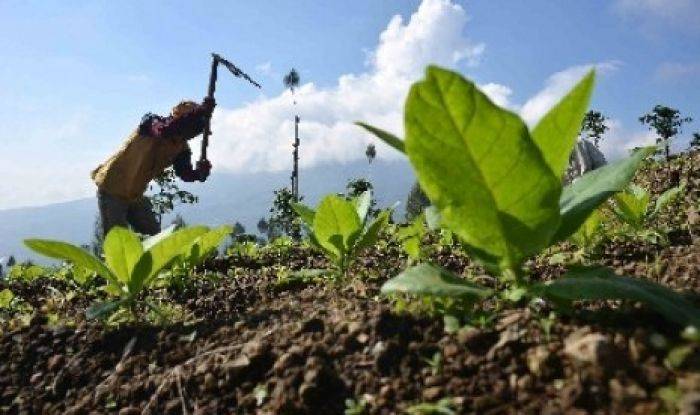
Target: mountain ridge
224	198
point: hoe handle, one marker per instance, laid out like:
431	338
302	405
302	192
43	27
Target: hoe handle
210	95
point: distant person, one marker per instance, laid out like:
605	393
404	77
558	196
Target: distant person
158	143
585	157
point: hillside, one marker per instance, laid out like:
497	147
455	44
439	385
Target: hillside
225	198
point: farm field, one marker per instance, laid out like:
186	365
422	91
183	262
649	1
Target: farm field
427	207
243	334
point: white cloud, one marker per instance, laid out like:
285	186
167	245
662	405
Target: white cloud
620	140
35	182
683	13
259	135
265	68
556	86
676	71
499	94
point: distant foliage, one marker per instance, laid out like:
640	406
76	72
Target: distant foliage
169	194
594	126
178	221
283	218
356	187
371	153
415	202
666	122
263	226
695	141
291	80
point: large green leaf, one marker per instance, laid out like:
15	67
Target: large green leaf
152	240
385	136
71	253
602	284
122	249
336	224
586	193
161	255
305	213
556	133
478	165
427	279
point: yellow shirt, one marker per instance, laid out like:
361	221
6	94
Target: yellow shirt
142	157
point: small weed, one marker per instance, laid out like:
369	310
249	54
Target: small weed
356	407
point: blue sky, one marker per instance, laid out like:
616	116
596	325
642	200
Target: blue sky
77	76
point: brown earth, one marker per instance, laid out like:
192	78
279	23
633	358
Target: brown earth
254	346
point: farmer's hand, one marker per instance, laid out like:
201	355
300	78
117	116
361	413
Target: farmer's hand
203	169
208	104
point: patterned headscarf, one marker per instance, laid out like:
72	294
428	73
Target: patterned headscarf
183	108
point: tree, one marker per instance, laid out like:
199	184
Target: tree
291	81
416	202
11	261
283	216
263	226
169	194
178	221
695	141
371	153
238	229
593	126
667	123
356	187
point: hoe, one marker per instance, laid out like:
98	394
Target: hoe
216	60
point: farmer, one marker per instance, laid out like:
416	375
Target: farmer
158	143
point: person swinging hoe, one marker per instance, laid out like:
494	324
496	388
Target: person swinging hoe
158	143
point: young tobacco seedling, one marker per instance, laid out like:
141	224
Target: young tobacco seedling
194	255
589	233
340	229
411	237
130	266
497	185
631	207
6	297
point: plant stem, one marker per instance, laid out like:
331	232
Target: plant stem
515	275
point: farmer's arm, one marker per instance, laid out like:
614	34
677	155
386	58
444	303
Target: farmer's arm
186	126
184	170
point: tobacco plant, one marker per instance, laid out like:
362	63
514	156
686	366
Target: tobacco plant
411	237
632	208
193	255
6	298
130	266
340	228
497	186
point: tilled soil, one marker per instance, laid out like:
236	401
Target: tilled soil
305	349
256	345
